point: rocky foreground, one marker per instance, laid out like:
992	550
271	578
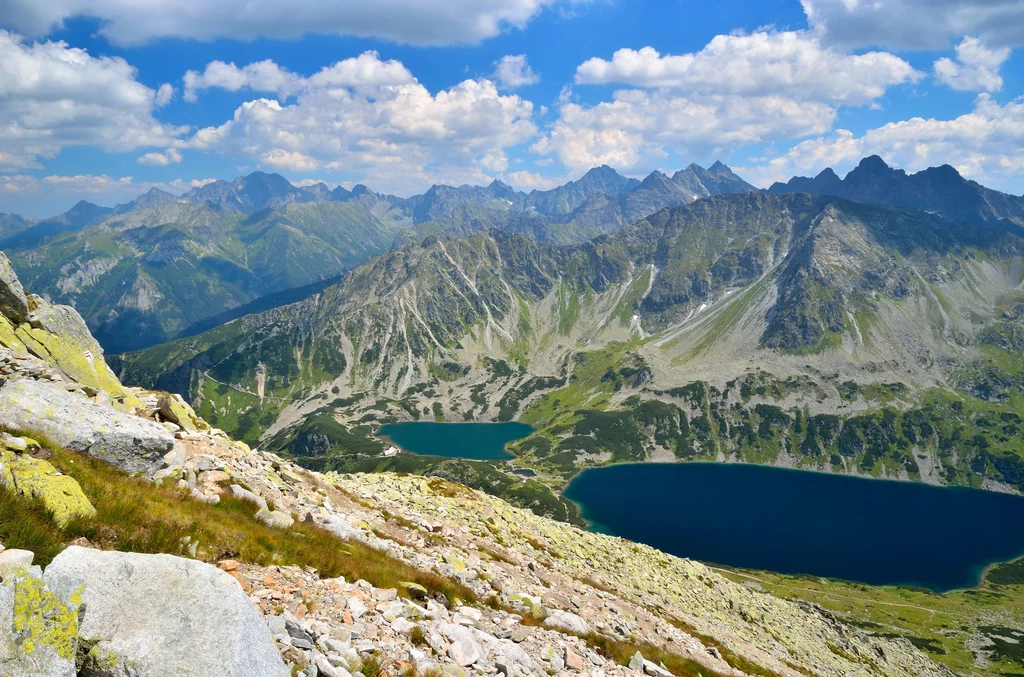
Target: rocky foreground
552	598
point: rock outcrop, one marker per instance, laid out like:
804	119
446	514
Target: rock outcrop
159	615
125	441
13	302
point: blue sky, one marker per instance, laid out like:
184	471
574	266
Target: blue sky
101	99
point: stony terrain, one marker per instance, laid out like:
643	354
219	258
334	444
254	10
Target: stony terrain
552	599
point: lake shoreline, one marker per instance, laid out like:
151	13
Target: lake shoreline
971	576
505	464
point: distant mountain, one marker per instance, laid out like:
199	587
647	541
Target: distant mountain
12	224
154	198
568	197
936	190
143	276
251	193
144	271
83	214
601	202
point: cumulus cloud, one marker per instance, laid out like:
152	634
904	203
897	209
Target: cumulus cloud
53	95
637	129
512	71
373	118
79	183
976	67
171	156
365	70
418	22
986	144
86	183
17	183
916	24
164	94
285	159
792	64
739	89
527	180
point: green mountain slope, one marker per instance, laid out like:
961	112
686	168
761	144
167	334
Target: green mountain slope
142	277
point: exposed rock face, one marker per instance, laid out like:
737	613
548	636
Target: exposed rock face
38	629
128	442
158	615
13	302
59	335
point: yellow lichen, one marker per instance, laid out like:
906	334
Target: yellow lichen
41	619
69	355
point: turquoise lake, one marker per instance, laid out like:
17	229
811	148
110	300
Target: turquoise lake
476	441
872	531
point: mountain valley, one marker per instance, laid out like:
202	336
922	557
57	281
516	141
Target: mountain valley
787	329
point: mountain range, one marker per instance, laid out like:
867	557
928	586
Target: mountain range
771	327
146	271
937	190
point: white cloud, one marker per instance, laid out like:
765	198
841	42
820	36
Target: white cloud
916	24
305	183
527	180
372	118
164	95
85	183
284	159
976	67
512	71
636	130
793	64
365	70
739	89
178	185
419	22
123	187
263	76
53	95
168	157
986	144
17	183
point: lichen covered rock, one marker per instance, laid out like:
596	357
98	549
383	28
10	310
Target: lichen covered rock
175	409
159	615
60	493
59	335
128	442
38	628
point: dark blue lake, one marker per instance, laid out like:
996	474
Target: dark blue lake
477	441
790	521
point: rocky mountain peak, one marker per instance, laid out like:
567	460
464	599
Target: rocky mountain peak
655	179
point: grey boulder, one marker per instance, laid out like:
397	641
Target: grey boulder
246	495
160	615
128	442
566	621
